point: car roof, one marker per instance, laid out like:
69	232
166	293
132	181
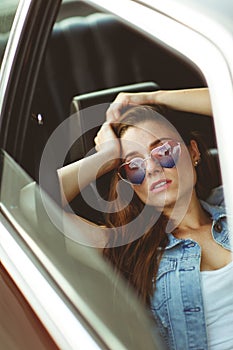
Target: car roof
219	12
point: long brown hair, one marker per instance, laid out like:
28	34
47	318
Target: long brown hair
138	259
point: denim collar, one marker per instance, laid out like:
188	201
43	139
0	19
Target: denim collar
216	213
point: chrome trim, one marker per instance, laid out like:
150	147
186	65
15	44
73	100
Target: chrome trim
11	47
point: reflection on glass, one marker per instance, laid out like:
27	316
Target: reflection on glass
86	280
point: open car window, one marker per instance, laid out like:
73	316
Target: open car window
103	53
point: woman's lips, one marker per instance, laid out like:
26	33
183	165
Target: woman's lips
160	185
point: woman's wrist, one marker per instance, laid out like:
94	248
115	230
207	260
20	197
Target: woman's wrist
196	100
109	160
158	97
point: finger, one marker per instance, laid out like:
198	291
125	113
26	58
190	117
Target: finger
103	131
103	128
113	113
96	140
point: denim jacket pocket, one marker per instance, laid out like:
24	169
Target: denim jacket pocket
162	294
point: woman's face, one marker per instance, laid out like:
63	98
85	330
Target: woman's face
162	187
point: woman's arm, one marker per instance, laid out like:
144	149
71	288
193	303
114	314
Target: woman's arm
85	232
75	176
188	100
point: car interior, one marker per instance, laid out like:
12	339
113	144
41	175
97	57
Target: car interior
92	56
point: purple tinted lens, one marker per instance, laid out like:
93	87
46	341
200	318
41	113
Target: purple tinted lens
134	171
167	162
167	155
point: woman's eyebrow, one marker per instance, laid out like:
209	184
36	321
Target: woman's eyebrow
153	144
130	154
156	142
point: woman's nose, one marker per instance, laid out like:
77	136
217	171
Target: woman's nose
152	166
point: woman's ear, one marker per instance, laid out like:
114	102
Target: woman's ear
194	152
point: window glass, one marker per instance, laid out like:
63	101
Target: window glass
7	13
79	270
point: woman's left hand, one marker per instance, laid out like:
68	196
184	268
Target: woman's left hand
107	143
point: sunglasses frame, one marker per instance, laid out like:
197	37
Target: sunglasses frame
178	143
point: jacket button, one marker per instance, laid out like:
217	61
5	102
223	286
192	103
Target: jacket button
190	245
218	226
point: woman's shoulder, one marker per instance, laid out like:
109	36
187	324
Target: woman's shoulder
216	197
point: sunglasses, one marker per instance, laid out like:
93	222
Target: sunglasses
165	155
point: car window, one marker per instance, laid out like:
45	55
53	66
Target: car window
60	250
101	52
7	14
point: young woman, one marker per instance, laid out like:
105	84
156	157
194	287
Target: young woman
169	244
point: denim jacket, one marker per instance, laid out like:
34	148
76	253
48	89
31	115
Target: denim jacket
177	303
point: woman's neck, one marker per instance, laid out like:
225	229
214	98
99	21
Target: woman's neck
185	218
